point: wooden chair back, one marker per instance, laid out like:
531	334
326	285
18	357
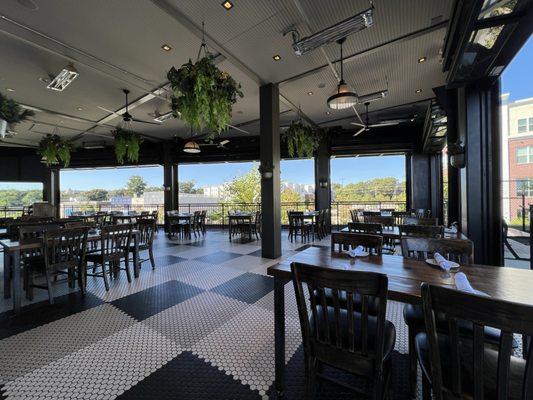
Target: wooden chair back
146	228
370	213
427	231
79	224
458	250
339	335
420	221
296	218
354	214
64	248
361	227
386	222
115	241
481	312
31	234
399	216
341	240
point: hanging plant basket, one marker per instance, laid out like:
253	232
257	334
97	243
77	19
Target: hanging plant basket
302	140
203	95
53	149
127	145
11	113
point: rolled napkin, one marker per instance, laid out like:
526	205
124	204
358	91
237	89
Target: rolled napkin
462	284
443	263
357	252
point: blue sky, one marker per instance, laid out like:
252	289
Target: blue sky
517	80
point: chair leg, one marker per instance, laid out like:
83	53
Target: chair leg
310	379
104	274
413	363
426	388
49	286
151	254
127	268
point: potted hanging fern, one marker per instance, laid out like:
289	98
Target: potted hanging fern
54	149
302	140
127	145
11	113
203	95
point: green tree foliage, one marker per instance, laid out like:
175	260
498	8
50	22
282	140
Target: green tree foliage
16	198
136	186
289	195
188	187
378	189
97	195
244	189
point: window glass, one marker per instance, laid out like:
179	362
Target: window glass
522	125
524	187
531	124
522	155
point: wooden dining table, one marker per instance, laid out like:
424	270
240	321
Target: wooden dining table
405	277
393	232
13	268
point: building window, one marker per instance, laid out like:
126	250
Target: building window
524	155
524	187
525	125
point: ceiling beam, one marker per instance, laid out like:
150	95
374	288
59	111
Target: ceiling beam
371	50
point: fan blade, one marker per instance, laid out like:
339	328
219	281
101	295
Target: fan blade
109	111
224	142
145	122
238	129
383	124
359	131
357	124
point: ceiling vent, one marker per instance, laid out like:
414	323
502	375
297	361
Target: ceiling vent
63	79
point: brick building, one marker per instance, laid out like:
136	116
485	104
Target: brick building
517	120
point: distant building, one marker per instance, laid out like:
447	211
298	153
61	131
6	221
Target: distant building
303	189
213	191
517	160
153	198
120	200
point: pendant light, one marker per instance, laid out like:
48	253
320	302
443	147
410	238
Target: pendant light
191	146
343	97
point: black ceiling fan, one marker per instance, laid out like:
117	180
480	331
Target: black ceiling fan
366	126
126	116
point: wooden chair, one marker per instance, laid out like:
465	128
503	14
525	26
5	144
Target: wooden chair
356	342
399	216
387	223
455	366
146	228
458	250
372	243
354	214
299	226
420	213
420	221
360	227
31	259
114	247
256	225
370	214
427	231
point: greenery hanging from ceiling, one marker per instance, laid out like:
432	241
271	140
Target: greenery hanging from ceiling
127	145
302	140
54	149
12	112
203	95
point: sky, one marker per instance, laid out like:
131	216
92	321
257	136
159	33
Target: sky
517	80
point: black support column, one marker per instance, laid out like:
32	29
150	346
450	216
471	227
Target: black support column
52	190
323	178
479	129
170	182
425	183
270	171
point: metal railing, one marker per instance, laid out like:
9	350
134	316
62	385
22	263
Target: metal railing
11	212
217	213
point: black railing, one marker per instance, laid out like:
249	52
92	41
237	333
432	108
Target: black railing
11	212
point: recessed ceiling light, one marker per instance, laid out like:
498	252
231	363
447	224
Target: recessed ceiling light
418	91
277	57
228	5
79	108
10	89
166	47
422	60
309	93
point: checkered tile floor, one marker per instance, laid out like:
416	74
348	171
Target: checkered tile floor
200	326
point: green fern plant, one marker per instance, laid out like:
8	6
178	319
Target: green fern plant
12	112
301	139
127	145
203	95
53	149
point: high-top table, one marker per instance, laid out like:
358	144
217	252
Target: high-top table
12	266
405	277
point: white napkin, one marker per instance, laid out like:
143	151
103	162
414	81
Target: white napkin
462	284
443	263
357	252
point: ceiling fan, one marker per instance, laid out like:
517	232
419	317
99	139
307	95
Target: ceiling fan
366	126
221	145
126	116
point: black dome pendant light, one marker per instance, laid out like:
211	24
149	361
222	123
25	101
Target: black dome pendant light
343	97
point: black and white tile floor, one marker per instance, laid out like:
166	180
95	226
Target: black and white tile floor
198	327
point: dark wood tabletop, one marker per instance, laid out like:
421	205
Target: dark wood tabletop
394	233
406	275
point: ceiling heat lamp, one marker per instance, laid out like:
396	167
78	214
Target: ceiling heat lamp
335	32
63	79
343	97
191	147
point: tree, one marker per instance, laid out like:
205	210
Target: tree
244	189
289	195
136	186
97	195
188	187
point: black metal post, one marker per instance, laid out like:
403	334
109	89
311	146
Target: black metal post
524	212
530	236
